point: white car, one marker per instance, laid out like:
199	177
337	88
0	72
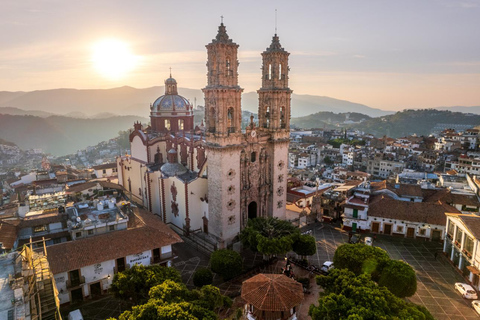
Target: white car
368	241
327	266
466	290
476	305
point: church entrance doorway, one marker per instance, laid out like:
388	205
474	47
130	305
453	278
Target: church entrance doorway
252	210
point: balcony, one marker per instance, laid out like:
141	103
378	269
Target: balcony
458	244
467	253
75	283
449	236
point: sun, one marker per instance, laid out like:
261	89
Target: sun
113	59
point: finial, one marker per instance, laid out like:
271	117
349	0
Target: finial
170	72
275	21
221	18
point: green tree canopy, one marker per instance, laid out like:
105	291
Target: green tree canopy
348	296
305	245
399	277
269	236
202	276
360	259
136	282
227	263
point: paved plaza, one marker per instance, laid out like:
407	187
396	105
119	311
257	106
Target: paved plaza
436	277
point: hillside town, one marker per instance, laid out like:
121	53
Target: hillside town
185	192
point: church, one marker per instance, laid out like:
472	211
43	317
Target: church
214	177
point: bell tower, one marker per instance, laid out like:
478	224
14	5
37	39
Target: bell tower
274	95
223	137
274	120
223	112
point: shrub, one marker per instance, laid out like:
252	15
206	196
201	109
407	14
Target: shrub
227	263
202	276
399	277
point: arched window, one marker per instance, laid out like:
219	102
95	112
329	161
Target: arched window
253	156
211	120
280	72
282	118
267	118
229	71
230	121
180	124
167	124
269	72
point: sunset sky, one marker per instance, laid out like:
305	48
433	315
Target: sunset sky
387	54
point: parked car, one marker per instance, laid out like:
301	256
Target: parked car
368	241
466	290
476	305
327	266
355	238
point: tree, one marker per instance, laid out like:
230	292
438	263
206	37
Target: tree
136	282
269	236
348	296
227	263
305	245
202	276
399	277
360	259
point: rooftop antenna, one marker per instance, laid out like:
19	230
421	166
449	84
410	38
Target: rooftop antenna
275	21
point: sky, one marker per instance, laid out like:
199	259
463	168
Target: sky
387	54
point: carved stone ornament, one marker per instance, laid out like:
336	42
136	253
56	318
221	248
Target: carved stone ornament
231	205
231	189
280	191
231	220
231	174
280	178
281	164
175	209
279	204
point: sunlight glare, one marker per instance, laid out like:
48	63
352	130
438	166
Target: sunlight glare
113	59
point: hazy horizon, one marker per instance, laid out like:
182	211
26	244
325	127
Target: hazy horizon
388	55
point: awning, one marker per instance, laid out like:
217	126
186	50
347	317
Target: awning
473	270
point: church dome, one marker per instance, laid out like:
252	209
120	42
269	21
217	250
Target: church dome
172	167
171	101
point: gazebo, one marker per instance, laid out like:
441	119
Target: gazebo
271	297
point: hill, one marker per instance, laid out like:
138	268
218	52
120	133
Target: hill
20	112
328	120
61	135
132	101
421	122
473	109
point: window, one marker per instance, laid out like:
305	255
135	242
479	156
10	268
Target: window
90	232
399	228
104	171
180	124
422	232
57	240
78	235
355	213
280	72
167	124
253	156
111	228
269	72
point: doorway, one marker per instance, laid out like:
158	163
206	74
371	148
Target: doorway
436	235
410	232
205	225
387	229
252	210
120	264
95	290
375	227
354	227
77	295
156	255
74	276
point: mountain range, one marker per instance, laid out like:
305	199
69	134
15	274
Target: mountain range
61	135
87	103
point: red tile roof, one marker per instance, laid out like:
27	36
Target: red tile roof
272	292
424	212
8	234
43	219
150	233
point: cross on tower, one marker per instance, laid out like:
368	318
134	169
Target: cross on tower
221	18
